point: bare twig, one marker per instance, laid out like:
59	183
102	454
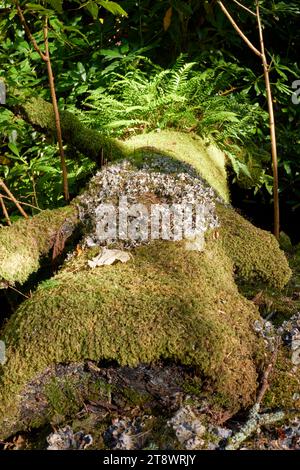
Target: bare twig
28	32
244	7
227	92
265	380
3	206
56	113
35	198
266	67
45	56
19	292
255	419
22	203
238	29
12	197
272	126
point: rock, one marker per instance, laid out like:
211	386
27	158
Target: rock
188	428
66	439
290	333
126	434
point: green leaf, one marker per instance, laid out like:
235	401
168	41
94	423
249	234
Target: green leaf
73	29
287	168
113	53
112	7
14	149
93	9
238	166
45	168
38	8
56	5
81	70
182	7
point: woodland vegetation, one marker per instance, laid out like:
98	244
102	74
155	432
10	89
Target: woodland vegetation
213	86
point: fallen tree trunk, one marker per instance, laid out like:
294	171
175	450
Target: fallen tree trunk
90	142
23	244
165	302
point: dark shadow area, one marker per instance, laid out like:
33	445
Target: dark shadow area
259	211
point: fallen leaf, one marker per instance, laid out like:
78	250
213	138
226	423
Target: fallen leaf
168	18
107	257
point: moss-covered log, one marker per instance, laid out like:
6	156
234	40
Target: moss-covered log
255	253
87	141
164	303
24	243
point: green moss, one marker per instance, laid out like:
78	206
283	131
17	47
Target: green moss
95	425
165	303
162	436
193	386
63	398
88	141
273	303
39	112
22	245
201	154
134	397
255	253
100	388
26	241
284	390
285	242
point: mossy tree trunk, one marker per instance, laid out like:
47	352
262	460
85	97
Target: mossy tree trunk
23	244
91	143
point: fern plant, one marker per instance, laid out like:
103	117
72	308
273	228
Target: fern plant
184	98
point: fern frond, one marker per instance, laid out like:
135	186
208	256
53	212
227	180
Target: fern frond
180	78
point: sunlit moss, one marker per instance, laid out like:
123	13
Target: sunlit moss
165	303
26	241
88	141
284	385
255	253
200	154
